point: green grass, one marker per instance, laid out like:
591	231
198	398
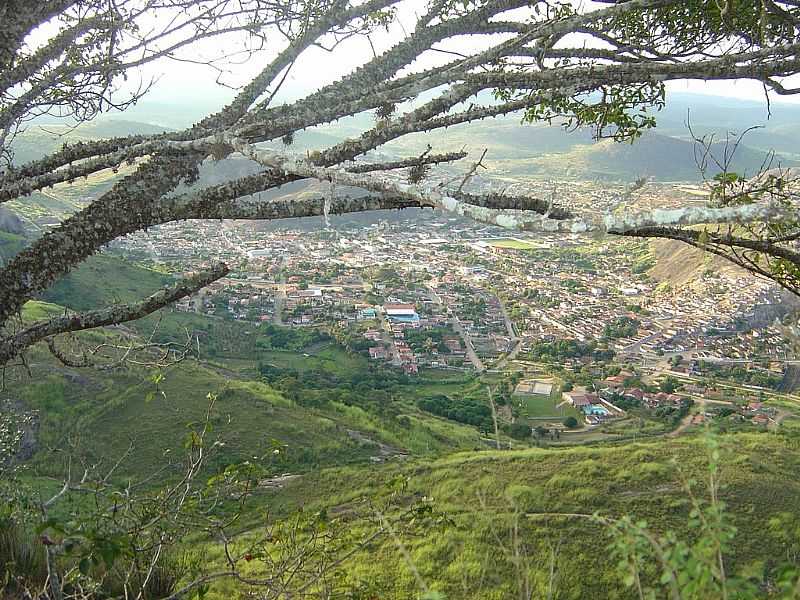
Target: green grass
116	412
10	244
331	358
513	244
536	406
481	492
36	310
104	280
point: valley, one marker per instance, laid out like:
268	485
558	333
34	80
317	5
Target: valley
497	387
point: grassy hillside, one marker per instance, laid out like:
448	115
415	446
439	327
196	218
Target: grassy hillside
488	495
679	264
10	244
103	412
99	281
41	139
657	156
104	280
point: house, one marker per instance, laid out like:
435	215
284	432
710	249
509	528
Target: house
453	344
410	368
367	313
614	381
399	310
377	353
634	394
578	399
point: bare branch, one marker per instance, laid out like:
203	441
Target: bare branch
122	313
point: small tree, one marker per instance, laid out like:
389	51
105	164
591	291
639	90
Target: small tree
669	384
570	422
519	431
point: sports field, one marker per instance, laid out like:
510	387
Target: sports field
538	406
512	243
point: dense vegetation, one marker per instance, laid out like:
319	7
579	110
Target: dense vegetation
562	349
417	339
490	496
622	327
287	338
742	374
464	410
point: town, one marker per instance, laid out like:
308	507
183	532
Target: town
420	290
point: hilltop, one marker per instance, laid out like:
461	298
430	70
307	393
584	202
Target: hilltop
538	151
40	139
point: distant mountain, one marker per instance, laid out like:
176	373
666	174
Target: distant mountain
518	150
777	125
657	156
10	222
41	139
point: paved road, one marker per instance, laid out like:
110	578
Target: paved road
686	422
280	296
509	325
388	338
501	364
459	329
470	348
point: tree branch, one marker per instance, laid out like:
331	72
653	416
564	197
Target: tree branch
13	345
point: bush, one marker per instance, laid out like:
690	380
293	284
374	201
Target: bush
22	559
570	422
463	410
518	431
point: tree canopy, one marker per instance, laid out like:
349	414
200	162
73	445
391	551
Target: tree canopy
601	64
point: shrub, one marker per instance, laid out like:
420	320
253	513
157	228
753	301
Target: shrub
518	431
22	559
570	422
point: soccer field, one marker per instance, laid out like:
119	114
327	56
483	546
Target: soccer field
512	243
537	406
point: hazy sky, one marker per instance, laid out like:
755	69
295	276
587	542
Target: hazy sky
180	80
184	82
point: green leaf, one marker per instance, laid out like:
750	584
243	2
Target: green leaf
84	565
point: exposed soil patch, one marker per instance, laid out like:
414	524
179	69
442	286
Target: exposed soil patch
385	451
